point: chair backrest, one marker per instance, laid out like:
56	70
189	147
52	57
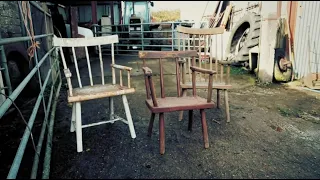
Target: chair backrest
85	42
203	41
160	55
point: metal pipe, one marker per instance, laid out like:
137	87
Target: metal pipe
7	103
19	39
6	71
37	62
172	34
39	146
19	155
142	37
151	23
43	130
313	90
47	158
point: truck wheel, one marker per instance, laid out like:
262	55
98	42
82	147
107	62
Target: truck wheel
244	36
14	73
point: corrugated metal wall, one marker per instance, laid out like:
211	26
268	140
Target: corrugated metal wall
307	38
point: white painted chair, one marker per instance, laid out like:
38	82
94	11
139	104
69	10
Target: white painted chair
94	91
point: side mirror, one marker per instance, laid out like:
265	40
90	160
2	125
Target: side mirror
151	3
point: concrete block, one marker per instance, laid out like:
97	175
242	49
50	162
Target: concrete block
268	38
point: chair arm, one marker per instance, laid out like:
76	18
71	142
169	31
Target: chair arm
147	71
149	85
121	67
206	71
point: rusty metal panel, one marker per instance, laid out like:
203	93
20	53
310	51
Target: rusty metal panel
307	39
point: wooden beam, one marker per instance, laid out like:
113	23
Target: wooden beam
112	12
94	12
74	21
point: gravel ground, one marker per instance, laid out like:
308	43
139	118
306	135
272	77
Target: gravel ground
273	133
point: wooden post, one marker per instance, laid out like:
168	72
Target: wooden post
94	12
120	11
74	21
204	128
151	124
161	133
161	79
279	5
112	12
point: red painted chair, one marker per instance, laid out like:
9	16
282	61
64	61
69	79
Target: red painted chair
179	103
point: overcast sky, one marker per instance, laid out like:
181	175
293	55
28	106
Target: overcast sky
192	10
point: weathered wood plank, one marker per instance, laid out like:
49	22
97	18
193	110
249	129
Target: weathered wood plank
202	70
87	41
167	54
171	104
205	31
98	91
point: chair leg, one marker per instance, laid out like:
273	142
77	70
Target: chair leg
226	99
78	127
190	120
184	93
111	109
204	128
218	98
128	114
161	133
151	124
73	117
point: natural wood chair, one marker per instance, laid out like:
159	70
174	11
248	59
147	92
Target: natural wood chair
98	90
169	104
202	41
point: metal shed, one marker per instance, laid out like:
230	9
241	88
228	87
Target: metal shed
307	38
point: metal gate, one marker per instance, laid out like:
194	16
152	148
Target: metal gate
49	91
142	37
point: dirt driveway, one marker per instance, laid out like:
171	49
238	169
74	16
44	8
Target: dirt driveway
274	133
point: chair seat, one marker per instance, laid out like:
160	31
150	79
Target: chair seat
98	91
204	85
170	104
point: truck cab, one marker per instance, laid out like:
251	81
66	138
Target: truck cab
137	12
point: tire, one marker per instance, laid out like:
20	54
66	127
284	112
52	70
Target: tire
278	74
251	21
18	71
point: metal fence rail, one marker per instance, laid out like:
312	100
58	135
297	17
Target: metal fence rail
52	82
144	39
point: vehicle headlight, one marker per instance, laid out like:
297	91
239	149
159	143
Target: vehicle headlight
131	28
138	28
